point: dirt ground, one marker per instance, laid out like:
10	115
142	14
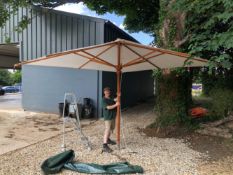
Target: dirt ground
219	150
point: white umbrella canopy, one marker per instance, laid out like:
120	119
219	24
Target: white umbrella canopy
133	57
118	56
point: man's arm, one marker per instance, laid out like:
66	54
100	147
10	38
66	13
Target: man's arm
113	106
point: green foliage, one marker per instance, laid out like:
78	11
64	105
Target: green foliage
222	102
140	15
16	77
8	8
219	78
23	24
208	82
5	77
172	102
210	25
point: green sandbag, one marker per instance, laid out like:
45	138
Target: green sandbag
114	168
65	160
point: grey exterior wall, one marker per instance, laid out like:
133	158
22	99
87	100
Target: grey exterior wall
44	87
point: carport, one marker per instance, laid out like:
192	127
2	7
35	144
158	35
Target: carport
9	55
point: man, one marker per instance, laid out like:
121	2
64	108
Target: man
109	113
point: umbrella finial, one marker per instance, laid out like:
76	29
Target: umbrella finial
119	40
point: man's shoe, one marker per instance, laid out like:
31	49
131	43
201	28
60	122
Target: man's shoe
111	142
106	149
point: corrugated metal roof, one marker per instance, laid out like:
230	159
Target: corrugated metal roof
70	14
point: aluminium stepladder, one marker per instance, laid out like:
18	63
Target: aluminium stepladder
70	98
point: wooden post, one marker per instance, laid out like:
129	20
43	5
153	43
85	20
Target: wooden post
118	117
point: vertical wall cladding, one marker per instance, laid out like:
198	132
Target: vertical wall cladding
51	31
132	89
7	31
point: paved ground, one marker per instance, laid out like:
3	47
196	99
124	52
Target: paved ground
11	101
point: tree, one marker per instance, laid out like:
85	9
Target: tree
16	77
140	15
210	26
5	77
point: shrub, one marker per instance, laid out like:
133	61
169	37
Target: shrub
222	102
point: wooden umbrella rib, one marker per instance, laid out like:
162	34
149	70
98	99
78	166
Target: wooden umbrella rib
63	53
98	53
141	60
138	58
155	56
97	58
142	57
84	64
91	59
35	60
158	49
180	54
105	50
96	46
45	58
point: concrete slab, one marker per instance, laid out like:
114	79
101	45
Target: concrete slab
11	101
20	128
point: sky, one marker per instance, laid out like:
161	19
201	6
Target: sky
80	8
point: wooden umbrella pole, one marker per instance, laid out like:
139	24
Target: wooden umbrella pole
118	72
118	117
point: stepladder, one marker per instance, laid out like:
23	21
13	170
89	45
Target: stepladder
71	114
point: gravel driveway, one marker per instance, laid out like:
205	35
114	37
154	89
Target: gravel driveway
156	155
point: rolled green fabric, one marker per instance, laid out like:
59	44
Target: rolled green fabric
56	163
114	168
64	160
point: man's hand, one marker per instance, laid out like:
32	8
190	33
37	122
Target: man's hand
118	94
117	103
113	106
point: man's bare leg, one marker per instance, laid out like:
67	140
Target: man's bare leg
106	136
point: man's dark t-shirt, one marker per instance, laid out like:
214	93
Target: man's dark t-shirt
108	114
